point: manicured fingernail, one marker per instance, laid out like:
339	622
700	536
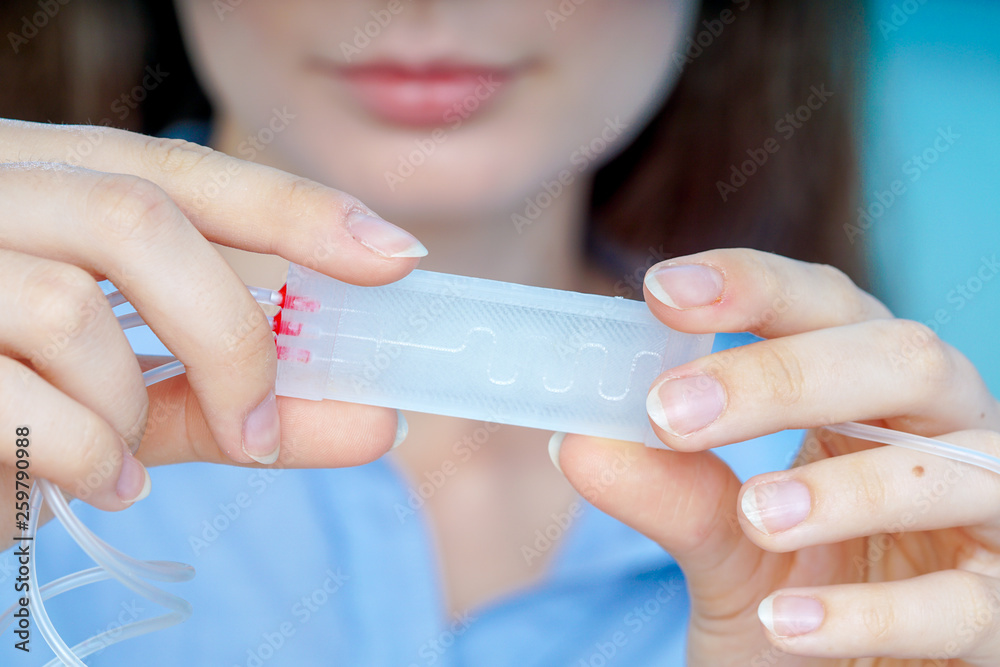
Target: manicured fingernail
790	615
402	430
261	433
685	285
682	406
383	238
777	506
133	480
555	444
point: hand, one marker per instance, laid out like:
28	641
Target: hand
859	550
83	203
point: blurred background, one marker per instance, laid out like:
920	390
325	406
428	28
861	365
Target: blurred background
928	133
934	71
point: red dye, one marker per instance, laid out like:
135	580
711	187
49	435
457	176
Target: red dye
290	328
302	303
293	354
276	326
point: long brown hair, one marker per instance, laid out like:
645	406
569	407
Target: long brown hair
747	65
702	176
70	62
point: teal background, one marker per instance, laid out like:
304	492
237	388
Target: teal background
939	69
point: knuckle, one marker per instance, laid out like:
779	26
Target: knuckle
979	607
251	344
63	297
179	157
855	305
927	358
137	429
780	372
840	280
126	207
879	617
871	493
97	460
301	194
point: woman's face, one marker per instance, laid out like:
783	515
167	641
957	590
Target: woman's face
433	109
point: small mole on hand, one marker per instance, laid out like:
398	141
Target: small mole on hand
918	471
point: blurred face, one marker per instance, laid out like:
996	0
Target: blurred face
433	109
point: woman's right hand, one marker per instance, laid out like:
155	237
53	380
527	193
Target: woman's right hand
79	204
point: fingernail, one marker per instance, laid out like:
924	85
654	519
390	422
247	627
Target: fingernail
777	506
682	406
383	238
133	480
790	615
555	444
402	430
261	433
685	285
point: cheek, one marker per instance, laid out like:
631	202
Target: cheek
616	61
246	52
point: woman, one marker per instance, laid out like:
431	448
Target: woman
451	119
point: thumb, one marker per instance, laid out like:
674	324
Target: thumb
686	502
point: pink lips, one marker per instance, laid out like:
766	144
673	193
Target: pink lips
426	96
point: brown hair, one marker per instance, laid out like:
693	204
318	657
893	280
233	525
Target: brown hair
747	65
70	62
717	167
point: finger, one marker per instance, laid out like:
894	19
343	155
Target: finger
202	313
883	490
870	370
57	319
233	202
68	444
684	502
314	434
940	616
733	290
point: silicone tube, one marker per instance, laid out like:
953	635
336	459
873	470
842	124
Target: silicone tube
478	349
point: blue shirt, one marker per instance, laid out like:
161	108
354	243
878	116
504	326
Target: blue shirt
331	567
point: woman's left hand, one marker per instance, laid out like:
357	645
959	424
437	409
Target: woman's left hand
858	550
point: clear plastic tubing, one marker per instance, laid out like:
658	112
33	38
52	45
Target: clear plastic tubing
478	349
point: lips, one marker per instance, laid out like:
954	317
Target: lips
423	96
